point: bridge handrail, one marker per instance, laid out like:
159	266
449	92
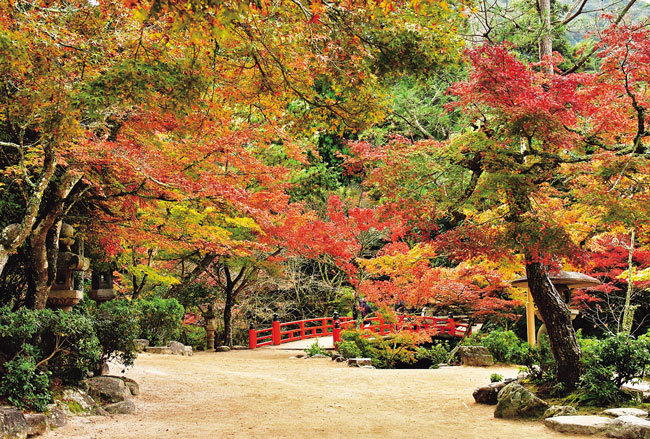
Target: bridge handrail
318	327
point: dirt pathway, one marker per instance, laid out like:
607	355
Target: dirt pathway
265	394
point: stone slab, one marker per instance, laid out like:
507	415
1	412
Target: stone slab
626	411
586	425
629	427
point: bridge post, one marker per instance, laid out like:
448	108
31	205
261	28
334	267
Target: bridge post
336	332
252	337
275	331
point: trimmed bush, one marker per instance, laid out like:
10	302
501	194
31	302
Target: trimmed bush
160	320
117	327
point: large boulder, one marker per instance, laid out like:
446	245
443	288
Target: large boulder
12	423
515	401
629	427
122	408
108	389
488	394
79	402
36	424
130	384
639	390
475	356
560	410
177	348
584	425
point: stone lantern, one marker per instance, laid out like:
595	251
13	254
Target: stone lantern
564	282
101	287
63	294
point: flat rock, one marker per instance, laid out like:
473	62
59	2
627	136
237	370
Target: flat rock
639	390
366	367
56	416
560	410
475	356
108	389
629	427
626	411
357	362
36	423
317	356
239	347
222	349
515	401
488	394
121	408
579	424
164	350
12	423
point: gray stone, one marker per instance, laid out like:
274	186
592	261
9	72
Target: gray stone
177	348
12	423
629	427
56	416
130	384
141	344
639	390
579	424
108	389
188	351
79	402
560	410
36	423
238	347
222	349
515	401
475	356
626	411
121	408
340	359
366	367
357	362
336	355
163	350
488	394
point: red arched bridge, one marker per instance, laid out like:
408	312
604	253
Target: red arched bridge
286	332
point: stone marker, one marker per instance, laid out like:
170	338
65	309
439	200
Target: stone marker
475	356
36	423
560	410
12	423
356	362
626	411
515	401
629	427
579	424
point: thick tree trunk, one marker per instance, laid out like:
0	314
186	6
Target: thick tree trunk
557	317
545	42
227	317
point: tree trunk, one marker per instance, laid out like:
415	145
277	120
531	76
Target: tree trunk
557	317
227	317
545	42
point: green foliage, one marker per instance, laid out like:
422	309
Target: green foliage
438	353
116	325
195	336
316	349
349	349
609	363
505	347
160	320
385	352
495	378
24	385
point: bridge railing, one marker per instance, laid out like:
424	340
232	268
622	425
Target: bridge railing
286	332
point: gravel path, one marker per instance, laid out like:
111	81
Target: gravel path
265	394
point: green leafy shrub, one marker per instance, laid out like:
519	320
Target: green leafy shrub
438	353
349	349
505	347
160	320
316	349
385	352
24	385
609	363
195	336
495	378
117	327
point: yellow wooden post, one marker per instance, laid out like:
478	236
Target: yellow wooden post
530	318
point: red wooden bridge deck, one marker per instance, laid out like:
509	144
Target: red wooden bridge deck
280	333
